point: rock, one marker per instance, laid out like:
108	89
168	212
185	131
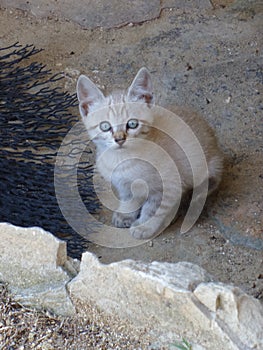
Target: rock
163	301
182	4
169	300
104	13
35	265
239	315
91	14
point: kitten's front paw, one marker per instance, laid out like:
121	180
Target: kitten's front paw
141	231
123	220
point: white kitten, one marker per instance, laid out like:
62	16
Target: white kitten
172	152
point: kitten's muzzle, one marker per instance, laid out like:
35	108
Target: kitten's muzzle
120	142
120	138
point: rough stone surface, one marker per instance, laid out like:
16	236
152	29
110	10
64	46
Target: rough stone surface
92	14
169	299
107	14
33	262
166	300
239	315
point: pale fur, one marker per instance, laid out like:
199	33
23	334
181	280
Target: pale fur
126	155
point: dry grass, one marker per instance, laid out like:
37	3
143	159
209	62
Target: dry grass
22	329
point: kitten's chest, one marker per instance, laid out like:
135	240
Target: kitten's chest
122	165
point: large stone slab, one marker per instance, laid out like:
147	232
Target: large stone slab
89	13
170	300
167	301
102	13
35	265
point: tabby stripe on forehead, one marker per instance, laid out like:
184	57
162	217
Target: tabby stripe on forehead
110	100
111	110
119	127
125	112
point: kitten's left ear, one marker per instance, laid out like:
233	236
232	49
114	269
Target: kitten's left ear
141	87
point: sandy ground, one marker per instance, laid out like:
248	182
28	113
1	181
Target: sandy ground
206	58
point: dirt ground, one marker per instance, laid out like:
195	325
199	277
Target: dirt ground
208	58
24	329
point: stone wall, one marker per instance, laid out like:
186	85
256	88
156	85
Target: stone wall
165	299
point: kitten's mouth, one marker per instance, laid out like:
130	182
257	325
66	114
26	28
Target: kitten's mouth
120	146
120	142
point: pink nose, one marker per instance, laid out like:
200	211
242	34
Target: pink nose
120	141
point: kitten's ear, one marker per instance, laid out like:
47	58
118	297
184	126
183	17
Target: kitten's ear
141	87
88	94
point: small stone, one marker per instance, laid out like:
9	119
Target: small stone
150	243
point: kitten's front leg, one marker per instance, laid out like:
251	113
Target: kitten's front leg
130	205
155	216
124	220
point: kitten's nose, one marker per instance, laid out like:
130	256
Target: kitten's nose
120	141
119	137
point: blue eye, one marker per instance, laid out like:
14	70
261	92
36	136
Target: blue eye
132	124
105	126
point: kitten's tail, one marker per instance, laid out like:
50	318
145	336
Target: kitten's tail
215	168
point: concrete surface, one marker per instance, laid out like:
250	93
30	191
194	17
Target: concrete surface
208	57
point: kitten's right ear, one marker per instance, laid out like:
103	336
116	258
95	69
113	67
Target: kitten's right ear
141	88
88	94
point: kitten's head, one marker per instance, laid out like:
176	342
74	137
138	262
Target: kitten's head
119	118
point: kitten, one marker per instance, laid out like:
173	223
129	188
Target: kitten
150	155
